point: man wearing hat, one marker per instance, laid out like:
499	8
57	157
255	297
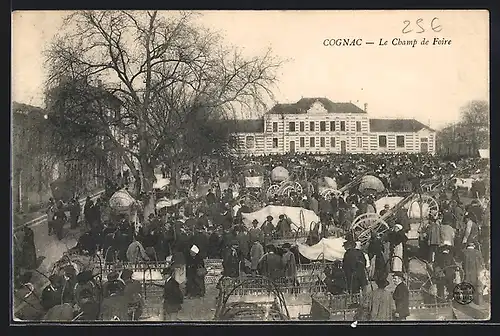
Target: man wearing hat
255	233
384	210
271	264
86	295
444	270
401	296
231	260
172	295
195	273
52	293
133	294
283	228
113	281
379	303
354	264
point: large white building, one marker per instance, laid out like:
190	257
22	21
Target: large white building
320	126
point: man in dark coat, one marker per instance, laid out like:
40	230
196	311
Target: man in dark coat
172	296
59	220
283	228
211	199
87	212
133	294
75	212
231	261
353	264
52	294
86	295
271	264
200	239
243	239
115	306
255	233
29	249
401	297
473	264
268	229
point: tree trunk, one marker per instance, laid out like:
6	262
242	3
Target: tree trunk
148	181
174	177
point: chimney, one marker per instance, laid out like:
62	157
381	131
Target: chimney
366	106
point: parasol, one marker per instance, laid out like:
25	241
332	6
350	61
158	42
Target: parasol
121	201
161	182
279	174
166	203
371	182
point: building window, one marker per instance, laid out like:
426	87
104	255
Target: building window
358	126
332	142
311	142
291	126
342	126
275	142
311	126
275	127
359	142
332	126
382	141
400	141
302	142
250	141
423	139
322	126
322	142
301	125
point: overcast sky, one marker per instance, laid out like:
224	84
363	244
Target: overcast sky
428	83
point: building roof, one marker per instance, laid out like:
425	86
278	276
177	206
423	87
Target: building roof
246	125
305	104
397	125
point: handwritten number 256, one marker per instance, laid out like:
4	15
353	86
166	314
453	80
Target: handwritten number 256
435	26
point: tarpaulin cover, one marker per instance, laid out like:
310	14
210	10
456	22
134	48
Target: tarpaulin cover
391	201
330	249
254	181
121	201
293	213
279	174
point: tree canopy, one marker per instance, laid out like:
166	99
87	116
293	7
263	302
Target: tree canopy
149	86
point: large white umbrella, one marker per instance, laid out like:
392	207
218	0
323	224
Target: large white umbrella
121	201
279	174
371	182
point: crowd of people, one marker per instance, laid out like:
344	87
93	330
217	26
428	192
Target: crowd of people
212	227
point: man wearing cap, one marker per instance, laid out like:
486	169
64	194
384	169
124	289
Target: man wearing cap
133	294
289	264
444	271
195	273
115	306
172	296
256	253
384	210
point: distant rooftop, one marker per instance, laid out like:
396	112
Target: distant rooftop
303	105
397	125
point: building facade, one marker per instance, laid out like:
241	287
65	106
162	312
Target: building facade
320	126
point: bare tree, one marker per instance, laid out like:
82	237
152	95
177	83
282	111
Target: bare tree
166	73
475	119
